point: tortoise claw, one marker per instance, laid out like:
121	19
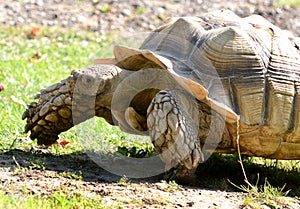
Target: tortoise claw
27	127
170	175
25	115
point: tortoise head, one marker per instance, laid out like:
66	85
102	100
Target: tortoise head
93	80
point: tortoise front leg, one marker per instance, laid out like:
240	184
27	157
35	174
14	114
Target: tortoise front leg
84	94
174	132
51	115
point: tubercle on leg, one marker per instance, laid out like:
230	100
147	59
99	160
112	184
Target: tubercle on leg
51	115
174	134
55	112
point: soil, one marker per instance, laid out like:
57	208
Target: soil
44	173
17	170
16	167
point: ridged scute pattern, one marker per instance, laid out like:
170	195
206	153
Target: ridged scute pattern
247	64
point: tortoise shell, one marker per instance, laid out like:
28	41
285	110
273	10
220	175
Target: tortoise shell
245	69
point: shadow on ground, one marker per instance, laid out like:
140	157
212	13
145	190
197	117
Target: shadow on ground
215	174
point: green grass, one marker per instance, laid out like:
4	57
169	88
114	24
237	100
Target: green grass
30	64
27	65
218	170
265	195
289	3
59	199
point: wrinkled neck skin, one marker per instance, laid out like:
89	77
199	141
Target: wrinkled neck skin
92	90
103	101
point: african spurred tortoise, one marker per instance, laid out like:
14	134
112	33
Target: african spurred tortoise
216	82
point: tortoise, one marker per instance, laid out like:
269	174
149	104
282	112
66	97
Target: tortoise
215	83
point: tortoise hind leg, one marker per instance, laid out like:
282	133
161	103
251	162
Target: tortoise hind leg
174	133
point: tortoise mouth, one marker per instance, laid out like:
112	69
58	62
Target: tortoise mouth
142	100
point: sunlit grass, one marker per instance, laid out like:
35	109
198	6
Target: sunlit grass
29	63
63	199
290	3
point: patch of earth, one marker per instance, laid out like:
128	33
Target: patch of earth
17	171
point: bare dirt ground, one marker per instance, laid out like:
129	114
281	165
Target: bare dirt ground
18	171
16	168
44	173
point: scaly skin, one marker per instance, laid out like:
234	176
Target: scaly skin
173	118
173	130
85	93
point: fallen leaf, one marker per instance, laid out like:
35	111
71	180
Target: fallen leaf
63	143
34	32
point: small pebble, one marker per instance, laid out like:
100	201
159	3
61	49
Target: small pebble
126	12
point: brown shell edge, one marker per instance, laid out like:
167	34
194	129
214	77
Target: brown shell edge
201	93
